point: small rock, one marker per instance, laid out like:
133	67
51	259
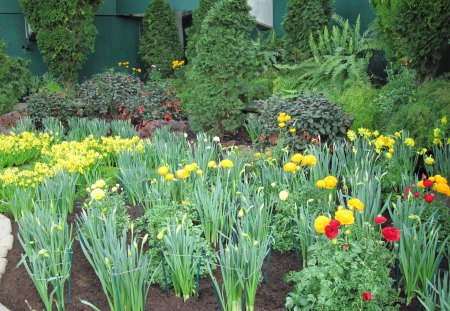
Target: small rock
4	131
9	120
5	226
3	251
7	241
3	263
175	126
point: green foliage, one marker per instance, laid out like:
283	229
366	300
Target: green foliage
415	31
432	101
124	96
302	19
14	79
313	117
360	101
65	32
339	58
337	276
159	44
221	69
198	16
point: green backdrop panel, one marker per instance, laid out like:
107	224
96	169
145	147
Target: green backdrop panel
10	6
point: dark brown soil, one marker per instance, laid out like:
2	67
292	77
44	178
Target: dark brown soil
16	286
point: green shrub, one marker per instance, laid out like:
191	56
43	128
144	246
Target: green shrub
339	59
198	15
360	101
314	117
418	116
120	95
221	69
415	31
65	32
338	274
302	19
260	88
159	43
14	79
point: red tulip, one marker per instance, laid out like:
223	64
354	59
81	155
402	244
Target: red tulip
428	183
428	197
367	296
391	234
380	220
416	194
335	223
331	232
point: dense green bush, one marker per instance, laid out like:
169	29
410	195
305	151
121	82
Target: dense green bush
339	59
419	115
415	31
221	69
198	15
120	95
338	274
313	117
360	101
302	19
14	79
65	32
159	43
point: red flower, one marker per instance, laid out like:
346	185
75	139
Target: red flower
407	196
427	183
409	189
331	231
405	63
169	105
380	220
428	197
120	108
367	296
177	110
391	234
416	194
334	223
141	109
168	117
345	246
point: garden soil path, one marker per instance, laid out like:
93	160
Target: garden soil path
16	286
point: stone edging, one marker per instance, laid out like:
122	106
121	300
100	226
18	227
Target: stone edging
6	243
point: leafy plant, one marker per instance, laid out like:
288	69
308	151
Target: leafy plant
65	33
339	57
313	117
438	295
302	19
159	43
221	69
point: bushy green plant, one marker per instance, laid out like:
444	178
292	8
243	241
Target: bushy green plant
159	43
193	32
124	96
302	19
339	273
65	32
359	100
221	69
414	31
339	58
14	79
313	117
431	102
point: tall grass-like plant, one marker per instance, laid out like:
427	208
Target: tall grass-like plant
122	268
304	221
122	128
203	150
170	147
48	244
442	164
21	201
241	268
182	256
327	162
134	176
54	126
80	128
58	192
24	124
406	213
419	254
438	296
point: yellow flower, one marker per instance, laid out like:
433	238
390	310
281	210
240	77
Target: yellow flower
190	167
287	118
436	132
139	70
226	163
444	120
199	172
212	164
297	158
321	184
440	180
290	167
100	183
429	161
347	232
320	223
351	135
97	194
388	155
420	184
441	188
345	216
241	213
330	182
283	195
309	160
437	141
119	64
160	235
375	134
281	124
182	174
292	130
169	177
409	142
356	204
163	170
334	241
281	117
397	134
